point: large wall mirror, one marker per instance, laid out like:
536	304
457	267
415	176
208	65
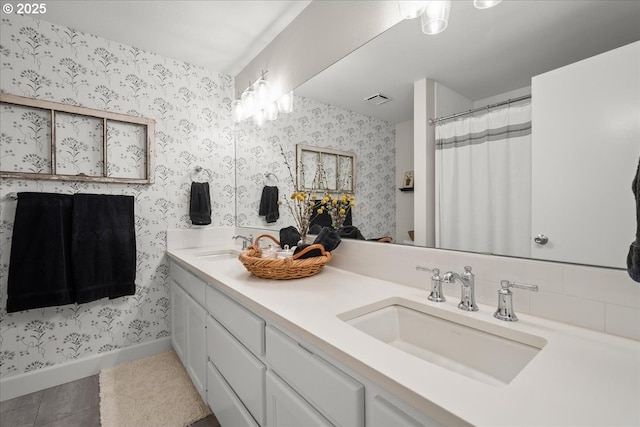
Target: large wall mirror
482	58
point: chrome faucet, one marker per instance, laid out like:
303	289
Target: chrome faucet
505	300
436	294
245	240
468	290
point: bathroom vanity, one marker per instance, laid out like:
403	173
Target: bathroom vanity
317	351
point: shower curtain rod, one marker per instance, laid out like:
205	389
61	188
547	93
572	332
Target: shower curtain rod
475	110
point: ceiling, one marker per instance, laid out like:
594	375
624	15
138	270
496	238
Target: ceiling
481	54
222	36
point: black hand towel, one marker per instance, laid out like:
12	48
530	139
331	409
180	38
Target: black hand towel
200	204
633	259
40	260
103	246
289	236
269	204
328	237
350	232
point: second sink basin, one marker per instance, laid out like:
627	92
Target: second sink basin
217	255
480	350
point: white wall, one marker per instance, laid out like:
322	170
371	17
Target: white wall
193	127
404	163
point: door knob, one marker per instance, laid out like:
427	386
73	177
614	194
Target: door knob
541	239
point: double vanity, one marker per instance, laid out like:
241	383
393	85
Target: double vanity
344	349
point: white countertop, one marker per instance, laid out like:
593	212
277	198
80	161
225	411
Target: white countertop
580	377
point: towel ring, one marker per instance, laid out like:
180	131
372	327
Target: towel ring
268	175
197	171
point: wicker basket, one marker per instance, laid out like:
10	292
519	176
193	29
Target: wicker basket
283	269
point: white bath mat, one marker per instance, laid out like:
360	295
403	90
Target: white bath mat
155	391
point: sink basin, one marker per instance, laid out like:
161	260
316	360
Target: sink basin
217	255
480	350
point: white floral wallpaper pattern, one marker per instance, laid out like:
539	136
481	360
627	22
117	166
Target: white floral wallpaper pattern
320	125
191	107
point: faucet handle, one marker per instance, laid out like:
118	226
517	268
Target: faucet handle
436	294
505	300
435	271
505	284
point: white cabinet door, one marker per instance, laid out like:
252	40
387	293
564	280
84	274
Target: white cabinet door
229	411
585	149
285	408
384	414
178	320
196	344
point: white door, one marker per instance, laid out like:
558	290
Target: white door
585	149
178	320
196	345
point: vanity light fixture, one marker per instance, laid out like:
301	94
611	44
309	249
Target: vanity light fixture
411	9
485	4
257	101
434	15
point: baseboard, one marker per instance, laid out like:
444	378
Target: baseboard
19	385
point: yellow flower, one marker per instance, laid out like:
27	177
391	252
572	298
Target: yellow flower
311	204
352	198
334	202
343	211
320	211
352	203
294	195
343	198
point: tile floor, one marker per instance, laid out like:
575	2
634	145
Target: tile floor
75	404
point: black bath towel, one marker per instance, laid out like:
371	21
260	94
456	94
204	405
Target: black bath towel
200	204
269	204
633	259
40	260
103	246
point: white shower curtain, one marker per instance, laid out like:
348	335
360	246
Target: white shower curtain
483	182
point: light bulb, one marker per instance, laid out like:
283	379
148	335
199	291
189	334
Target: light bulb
485	4
411	9
285	103
436	17
237	111
271	111
258	117
249	101
263	93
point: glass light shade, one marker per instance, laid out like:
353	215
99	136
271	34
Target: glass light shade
258	117
271	111
263	93
237	111
436	17
485	4
285	103
249	102
411	9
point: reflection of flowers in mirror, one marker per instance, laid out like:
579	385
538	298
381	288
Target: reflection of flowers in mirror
337	207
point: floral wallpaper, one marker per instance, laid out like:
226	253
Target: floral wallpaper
320	125
191	107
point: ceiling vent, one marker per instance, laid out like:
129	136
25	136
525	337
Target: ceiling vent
377	99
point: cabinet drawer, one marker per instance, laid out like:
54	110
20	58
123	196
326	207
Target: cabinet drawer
337	396
384	414
244	325
241	369
190	283
285	408
225	405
